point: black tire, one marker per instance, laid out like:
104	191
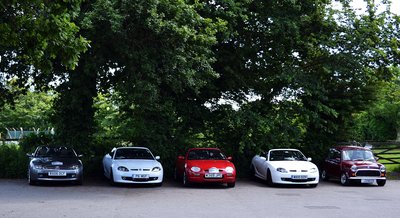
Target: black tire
112	182
252	171
159	184
381	182
269	179
175	174
185	180
79	182
30	181
344	180
313	185
324	176
230	184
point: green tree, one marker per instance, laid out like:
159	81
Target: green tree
381	120
36	37
32	110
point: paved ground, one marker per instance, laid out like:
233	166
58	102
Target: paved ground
248	199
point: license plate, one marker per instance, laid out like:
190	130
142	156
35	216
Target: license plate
58	173
140	176
213	175
367	180
299	177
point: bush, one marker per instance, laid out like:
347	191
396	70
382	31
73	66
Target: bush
13	162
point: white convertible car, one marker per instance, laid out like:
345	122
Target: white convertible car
132	165
285	166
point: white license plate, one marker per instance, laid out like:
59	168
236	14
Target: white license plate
140	176
299	177
213	175
58	173
367	180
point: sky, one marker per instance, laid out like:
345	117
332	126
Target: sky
395	8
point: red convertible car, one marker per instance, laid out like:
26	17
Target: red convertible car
203	165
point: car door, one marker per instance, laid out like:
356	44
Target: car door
261	165
332	163
107	162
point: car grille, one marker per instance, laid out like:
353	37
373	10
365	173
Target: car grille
368	173
139	180
57	167
140	169
298	180
293	171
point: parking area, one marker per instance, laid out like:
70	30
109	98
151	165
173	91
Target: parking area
250	198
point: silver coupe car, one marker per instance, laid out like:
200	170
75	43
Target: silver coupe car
54	163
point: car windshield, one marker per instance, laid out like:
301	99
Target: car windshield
358	154
133	153
206	154
286	155
55	152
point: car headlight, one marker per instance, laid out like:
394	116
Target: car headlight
74	167
353	168
282	170
313	170
38	167
195	169
383	168
229	170
121	168
156	169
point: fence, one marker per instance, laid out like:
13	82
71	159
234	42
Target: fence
388	152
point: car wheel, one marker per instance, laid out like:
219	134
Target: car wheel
112	182
313	185
252	171
344	180
30	181
269	179
381	182
185	180
79	182
175	174
230	184
324	175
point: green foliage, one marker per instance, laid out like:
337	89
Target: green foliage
13	162
381	121
37	37
30	142
28	111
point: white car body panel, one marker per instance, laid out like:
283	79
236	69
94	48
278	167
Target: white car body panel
135	167
294	168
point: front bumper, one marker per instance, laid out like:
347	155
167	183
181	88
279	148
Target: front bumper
292	178
128	177
200	178
50	175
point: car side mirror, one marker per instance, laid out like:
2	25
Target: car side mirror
29	155
376	158
80	155
309	159
157	157
229	158
181	157
263	158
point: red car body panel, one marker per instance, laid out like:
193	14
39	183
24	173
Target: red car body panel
185	165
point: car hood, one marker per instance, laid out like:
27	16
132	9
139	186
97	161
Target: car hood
293	165
207	164
137	164
56	161
363	164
